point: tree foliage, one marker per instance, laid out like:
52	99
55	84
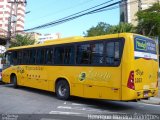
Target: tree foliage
121	28
149	21
21	40
102	29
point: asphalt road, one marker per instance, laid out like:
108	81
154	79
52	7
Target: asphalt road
27	103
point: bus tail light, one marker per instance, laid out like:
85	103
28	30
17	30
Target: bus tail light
130	83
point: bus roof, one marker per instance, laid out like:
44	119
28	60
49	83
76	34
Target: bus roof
72	40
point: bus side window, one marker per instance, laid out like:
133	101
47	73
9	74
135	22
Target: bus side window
83	54
97	53
48	55
69	55
25	56
20	57
15	60
32	55
117	51
112	53
58	55
40	56
11	58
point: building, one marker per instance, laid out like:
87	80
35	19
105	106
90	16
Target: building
15	9
34	36
129	8
40	38
45	37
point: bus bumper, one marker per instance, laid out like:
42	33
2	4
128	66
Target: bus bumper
129	94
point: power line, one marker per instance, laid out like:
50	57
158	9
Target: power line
85	10
79	4
116	6
74	16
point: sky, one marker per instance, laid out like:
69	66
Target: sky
44	11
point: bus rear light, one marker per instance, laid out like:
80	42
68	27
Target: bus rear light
130	83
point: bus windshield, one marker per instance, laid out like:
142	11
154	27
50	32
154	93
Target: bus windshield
7	60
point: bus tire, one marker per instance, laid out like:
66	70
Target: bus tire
62	90
14	81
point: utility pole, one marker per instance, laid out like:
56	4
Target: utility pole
15	2
9	27
15	14
140	9
16	9
139	5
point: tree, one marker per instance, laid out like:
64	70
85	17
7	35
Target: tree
121	28
103	29
149	21
21	40
100	29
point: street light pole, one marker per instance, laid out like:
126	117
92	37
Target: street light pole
9	33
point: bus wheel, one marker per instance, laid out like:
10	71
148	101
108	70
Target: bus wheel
62	90
14	81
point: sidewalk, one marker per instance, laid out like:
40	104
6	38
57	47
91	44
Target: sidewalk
152	100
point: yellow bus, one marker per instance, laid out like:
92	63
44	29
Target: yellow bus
120	67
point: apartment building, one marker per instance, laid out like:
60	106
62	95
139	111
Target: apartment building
129	8
15	9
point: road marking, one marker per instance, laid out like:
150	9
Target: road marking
65	102
64	113
79	108
77	104
64	107
48	119
85	109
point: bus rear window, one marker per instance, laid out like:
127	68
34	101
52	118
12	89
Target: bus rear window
144	48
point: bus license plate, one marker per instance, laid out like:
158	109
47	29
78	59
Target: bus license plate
145	93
